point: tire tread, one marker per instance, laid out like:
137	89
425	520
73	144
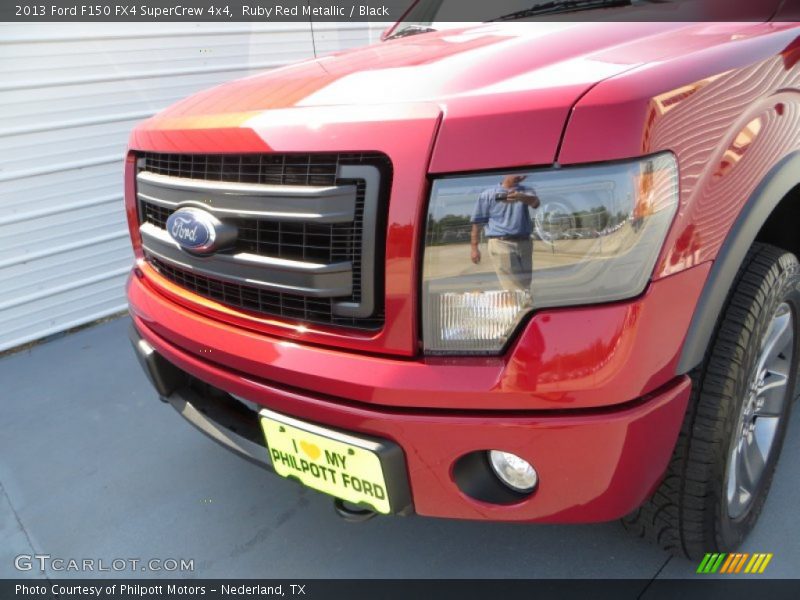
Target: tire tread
679	516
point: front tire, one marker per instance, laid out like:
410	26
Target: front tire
724	461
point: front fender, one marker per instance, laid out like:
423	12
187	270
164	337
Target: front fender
782	178
730	112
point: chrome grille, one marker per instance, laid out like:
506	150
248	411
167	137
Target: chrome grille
334	243
249	298
293	241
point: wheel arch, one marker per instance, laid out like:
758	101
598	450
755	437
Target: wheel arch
769	215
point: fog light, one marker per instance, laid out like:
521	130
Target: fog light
515	472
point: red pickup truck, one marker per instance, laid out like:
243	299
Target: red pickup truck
512	271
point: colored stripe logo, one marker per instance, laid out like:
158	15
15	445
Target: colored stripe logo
734	563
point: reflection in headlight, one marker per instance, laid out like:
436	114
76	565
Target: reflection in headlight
551	237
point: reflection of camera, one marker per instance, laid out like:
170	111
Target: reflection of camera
501	197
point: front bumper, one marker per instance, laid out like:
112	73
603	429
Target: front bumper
594	465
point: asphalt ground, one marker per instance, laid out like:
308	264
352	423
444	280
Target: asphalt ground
93	466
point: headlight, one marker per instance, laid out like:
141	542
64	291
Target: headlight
554	237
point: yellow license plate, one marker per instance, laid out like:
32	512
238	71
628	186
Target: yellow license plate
332	462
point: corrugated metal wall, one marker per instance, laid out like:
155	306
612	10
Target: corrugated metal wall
69	95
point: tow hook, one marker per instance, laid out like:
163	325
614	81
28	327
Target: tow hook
352	513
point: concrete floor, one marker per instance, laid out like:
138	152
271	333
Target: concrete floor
93	466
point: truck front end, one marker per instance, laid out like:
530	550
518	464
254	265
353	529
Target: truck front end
307	290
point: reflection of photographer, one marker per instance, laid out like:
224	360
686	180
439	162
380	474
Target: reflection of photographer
504	211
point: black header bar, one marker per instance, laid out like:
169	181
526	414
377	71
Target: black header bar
701	587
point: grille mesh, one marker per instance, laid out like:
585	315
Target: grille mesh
276	169
321	243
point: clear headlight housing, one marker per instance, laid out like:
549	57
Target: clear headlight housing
550	237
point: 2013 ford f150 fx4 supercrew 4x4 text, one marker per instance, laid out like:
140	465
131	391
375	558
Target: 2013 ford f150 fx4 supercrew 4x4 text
516	270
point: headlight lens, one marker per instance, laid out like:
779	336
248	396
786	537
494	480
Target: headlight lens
554	237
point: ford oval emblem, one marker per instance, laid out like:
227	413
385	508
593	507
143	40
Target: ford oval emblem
194	229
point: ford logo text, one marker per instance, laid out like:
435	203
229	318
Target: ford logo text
198	231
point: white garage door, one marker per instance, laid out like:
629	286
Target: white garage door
69	95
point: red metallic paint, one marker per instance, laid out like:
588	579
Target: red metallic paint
564	359
717	109
131	212
404	132
723	97
510	86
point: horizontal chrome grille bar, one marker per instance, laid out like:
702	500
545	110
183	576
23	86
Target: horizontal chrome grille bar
311	204
297	277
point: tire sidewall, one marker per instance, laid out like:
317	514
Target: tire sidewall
786	288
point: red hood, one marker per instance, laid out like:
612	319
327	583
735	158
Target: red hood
511	85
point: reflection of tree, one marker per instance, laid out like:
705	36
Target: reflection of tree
449	229
595	219
557	220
